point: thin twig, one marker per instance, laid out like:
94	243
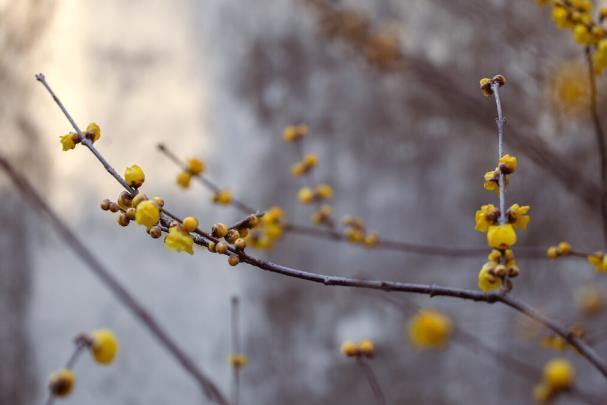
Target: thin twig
235	351
586	351
123	295
500	149
372	379
69	365
600	140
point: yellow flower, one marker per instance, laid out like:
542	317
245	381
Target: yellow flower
485	217
555	342
147	213
491	181
507	164
559	375
67	141
367	348
305	195
552	252
561	17
430	329
564	248
238	360
179	241
349	349
485	84
324	191
310	160
486	280
597	259
501	236
104	347
582	35
223	197
195	166
134	176
298	169
294	132
183	179
93	131
541	393
518	216
590	300
61	382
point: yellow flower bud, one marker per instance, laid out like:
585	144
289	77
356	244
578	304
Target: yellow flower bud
104	346
196	166
310	160
552	252
183	179
238	360
559	375
134	176
507	164
485	84
305	195
219	230
190	224
501	236
430	329
367	348
564	248
223	197
349	349
324	191
61	382
486	280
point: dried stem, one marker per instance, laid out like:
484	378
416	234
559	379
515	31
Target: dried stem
600	140
80	346
235	351
500	149
372	379
123	295
583	348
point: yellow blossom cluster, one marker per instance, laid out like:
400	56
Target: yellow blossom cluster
576	15
365	348
507	165
193	167
562	249
269	229
307	195
430	329
501	263
294	133
558	377
235	235
102	344
501	236
223	197
70	140
356	233
306	164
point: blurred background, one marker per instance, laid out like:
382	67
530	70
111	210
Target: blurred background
389	89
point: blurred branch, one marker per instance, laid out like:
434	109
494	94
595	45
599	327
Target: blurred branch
202	238
235	350
80	346
600	140
372	379
123	295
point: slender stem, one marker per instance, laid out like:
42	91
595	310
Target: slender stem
202	239
80	345
123	295
500	149
372	379
600	140
235	350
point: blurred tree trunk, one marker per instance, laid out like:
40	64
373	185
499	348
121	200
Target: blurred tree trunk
20	25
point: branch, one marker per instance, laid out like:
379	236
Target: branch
585	350
123	295
373	382
600	140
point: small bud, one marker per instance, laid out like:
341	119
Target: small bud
123	220
137	199
513	272
485	84
190	224
130	213
105	204
211	247
158	201
174	223
233	260
155	232
219	230
125	199
252	221
114	207
499	79
500	270
243	232
221	248
231	236
240	244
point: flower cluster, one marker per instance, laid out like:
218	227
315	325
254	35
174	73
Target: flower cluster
70	140
562	249
307	163
558	377
499	226
576	15
308	195
294	133
365	348
356	233
269	229
381	47
430	329
194	167
103	346
235	235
